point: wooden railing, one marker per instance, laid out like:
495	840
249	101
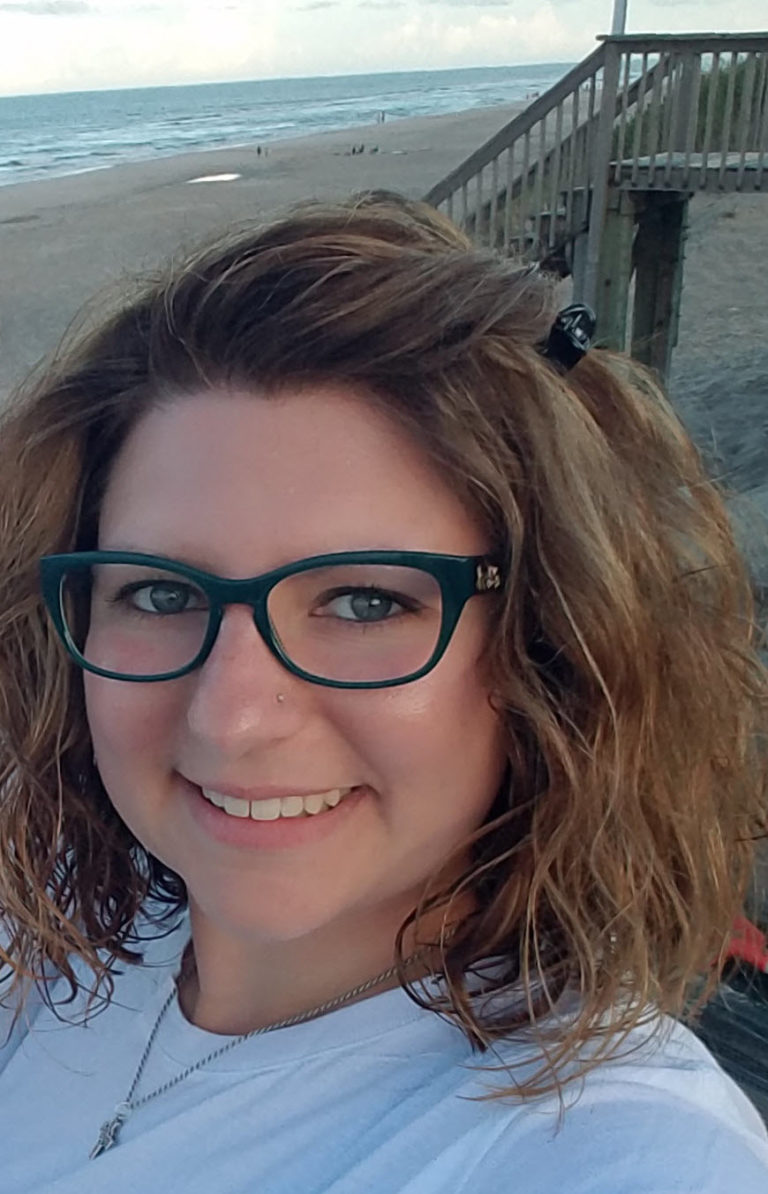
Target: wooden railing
506	192
641	112
704	108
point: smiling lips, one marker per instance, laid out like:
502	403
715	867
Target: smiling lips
278	806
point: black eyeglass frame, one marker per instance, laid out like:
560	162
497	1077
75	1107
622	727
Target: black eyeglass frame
459	578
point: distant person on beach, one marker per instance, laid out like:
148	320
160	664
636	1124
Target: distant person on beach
380	721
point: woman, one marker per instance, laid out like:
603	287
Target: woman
387	647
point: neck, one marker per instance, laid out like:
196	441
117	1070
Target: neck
232	985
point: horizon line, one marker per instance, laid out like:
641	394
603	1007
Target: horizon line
278	79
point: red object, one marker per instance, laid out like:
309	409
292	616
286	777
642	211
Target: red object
748	944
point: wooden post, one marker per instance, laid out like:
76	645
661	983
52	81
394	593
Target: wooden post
615	270
658	254
686	107
598	167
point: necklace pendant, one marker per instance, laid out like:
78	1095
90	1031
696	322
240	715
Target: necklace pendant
109	1132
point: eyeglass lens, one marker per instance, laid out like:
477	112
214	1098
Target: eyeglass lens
345	622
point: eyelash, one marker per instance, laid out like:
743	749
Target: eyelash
124	594
407	605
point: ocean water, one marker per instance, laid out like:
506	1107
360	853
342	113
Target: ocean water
42	136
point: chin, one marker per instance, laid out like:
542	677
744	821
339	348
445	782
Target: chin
267	914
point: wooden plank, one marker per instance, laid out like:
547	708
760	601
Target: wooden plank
692	99
700	43
525	193
493	237
479	207
591	107
599	170
508	198
669	109
622	127
745	114
615	271
539	193
682	128
571	185
714	75
554	171
640	112
725	134
654	108
694	176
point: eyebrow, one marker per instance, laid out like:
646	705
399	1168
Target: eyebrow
191	558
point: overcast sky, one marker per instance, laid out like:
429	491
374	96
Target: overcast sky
68	45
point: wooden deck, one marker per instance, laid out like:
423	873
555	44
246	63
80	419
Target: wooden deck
693	172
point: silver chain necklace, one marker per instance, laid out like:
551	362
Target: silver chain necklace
110	1130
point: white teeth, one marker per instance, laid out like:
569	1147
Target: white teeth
271	810
236	807
265	810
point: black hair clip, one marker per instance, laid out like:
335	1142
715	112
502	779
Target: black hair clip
571	336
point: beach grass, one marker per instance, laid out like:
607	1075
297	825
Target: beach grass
729	84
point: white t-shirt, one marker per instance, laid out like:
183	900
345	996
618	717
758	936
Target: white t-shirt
375	1098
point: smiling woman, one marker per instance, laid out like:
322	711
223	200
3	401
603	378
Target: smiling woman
380	697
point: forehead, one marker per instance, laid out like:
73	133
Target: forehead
242	482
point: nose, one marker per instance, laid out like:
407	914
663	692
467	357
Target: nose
234	702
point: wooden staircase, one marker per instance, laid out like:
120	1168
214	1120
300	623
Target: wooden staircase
594	178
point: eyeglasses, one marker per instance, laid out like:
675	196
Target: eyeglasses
357	619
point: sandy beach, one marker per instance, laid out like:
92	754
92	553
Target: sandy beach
63	241
69	240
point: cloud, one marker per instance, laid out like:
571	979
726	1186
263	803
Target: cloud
313	5
387	5
471	3
48	8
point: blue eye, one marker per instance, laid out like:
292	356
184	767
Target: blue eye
162	597
364	605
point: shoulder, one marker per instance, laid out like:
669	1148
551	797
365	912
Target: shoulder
158	941
661	1117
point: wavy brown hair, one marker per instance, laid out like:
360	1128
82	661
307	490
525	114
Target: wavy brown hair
622	660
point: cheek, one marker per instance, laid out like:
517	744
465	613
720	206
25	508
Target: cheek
132	727
436	746
127	722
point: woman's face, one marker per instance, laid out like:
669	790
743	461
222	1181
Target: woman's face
238	484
